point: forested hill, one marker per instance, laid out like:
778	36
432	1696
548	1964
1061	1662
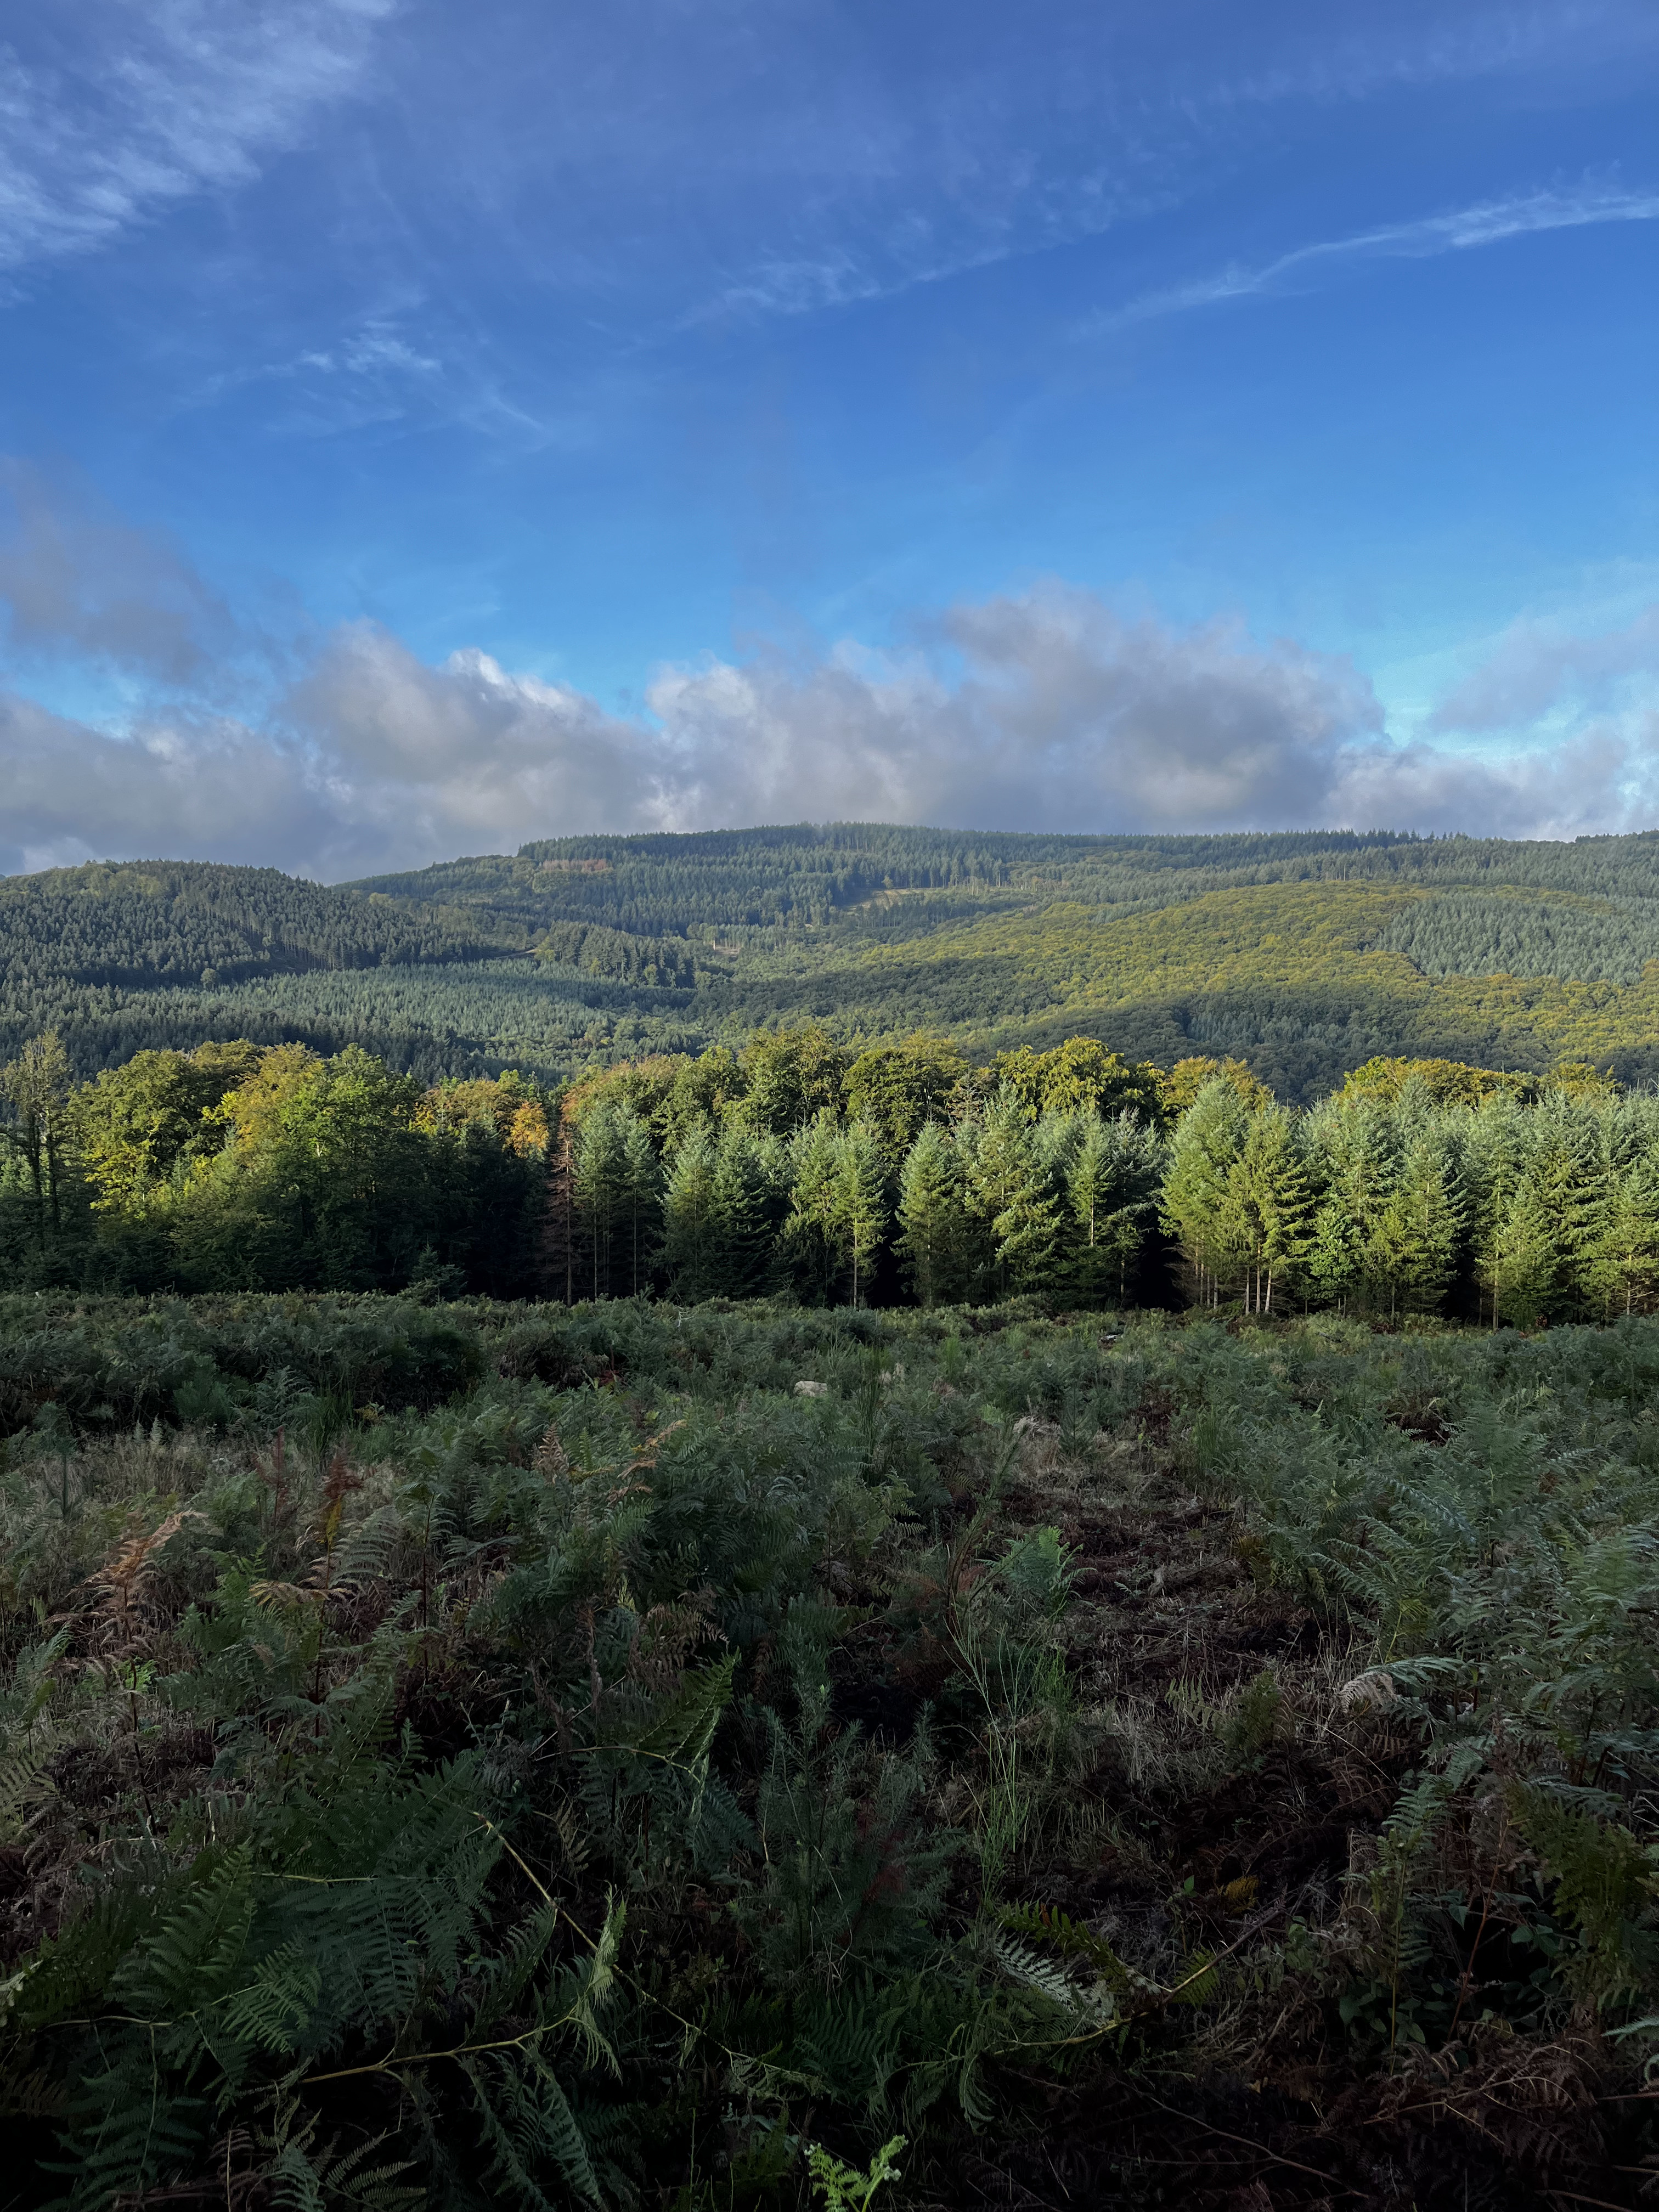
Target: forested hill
80	946
1305	954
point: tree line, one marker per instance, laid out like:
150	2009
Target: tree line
238	1166
1422	1186
798	1168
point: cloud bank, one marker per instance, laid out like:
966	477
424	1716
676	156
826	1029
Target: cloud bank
1043	710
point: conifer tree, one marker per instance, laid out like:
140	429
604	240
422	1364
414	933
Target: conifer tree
1112	1175
1417	1239
935	1239
1014	1197
1494	1155
742	1224
1198	1197
1272	1203
600	1175
1620	1275
692	1228
641	1198
862	1214
1526	1256
36	1086
811	1231
1356	1150
1570	1165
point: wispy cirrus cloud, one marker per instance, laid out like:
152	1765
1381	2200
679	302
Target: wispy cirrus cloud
1487	223
110	113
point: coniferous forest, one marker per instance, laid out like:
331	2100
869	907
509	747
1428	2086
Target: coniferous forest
1305	954
776	1611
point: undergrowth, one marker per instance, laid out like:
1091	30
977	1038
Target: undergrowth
502	1757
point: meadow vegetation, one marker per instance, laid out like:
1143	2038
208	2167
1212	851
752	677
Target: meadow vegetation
487	1755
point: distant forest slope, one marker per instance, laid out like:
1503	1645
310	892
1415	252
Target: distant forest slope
1304	953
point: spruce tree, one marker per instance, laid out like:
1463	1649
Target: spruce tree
600	1175
811	1231
692	1228
1356	1154
642	1199
861	1212
1198	1197
1417	1239
934	1240
1113	1171
1495	1150
1013	1196
1621	1273
1272	1202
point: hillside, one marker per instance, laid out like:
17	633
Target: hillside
1305	954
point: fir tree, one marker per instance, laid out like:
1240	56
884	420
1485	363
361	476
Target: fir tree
1112	1175
811	1230
600	1175
1418	1235
1356	1150
861	1210
1494	1154
691	1226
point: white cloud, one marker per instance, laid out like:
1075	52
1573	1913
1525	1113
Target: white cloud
210	790
1537	667
126	110
1062	714
1485	223
1047	709
417	760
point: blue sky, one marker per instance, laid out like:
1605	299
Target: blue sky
431	427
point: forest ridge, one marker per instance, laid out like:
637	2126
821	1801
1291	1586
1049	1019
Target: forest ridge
1305	955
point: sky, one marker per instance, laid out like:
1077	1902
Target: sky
424	427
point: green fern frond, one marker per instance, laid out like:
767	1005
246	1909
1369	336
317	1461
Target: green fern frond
684	1729
274	2009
